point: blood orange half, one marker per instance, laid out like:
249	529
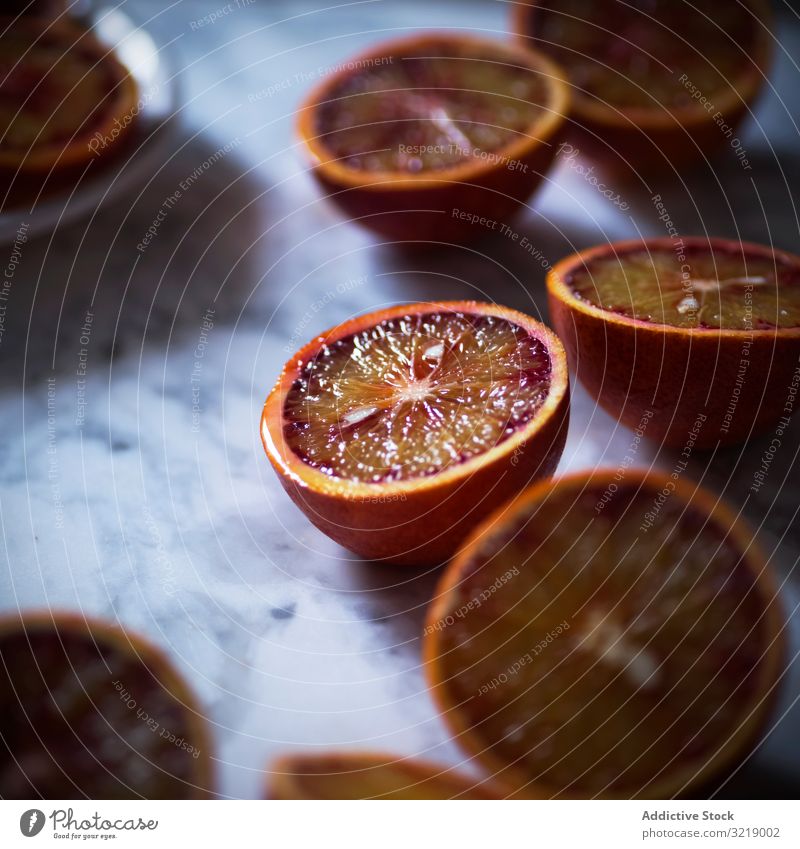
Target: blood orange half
65	101
422	137
90	711
398	430
369	775
655	83
702	335
607	635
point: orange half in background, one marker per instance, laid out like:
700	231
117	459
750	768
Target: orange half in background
607	635
89	711
698	338
417	135
65	101
653	84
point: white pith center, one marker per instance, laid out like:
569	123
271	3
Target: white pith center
613	647
689	303
413	391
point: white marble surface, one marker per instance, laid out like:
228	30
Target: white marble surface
120	499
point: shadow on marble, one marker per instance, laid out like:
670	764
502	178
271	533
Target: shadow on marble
109	283
755	477
506	269
725	199
397	597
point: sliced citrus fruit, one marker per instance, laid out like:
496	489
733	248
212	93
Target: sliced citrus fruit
90	711
396	431
701	336
607	635
369	775
421	138
65	101
659	82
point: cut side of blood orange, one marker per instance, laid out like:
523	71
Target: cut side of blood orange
369	775
701	335
397	430
723	289
417	131
65	101
607	636
90	711
659	82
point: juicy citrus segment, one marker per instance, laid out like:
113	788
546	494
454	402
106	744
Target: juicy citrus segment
85	713
353	775
698	287
641	57
415	394
437	106
627	644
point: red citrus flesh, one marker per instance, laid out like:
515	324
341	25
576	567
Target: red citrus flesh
418	135
694	286
429	110
413	395
88	712
701	336
58	88
398	430
627	644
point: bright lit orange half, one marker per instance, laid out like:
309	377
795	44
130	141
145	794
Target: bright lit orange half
396	430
